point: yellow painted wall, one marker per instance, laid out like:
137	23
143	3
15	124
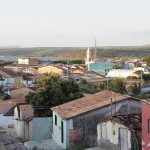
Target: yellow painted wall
50	69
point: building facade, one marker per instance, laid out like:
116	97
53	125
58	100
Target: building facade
145	125
100	67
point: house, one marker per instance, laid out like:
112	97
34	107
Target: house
101	67
6	110
53	69
29	127
5	121
22	115
10	78
75	121
120	132
145	125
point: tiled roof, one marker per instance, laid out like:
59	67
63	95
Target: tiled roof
8	73
147	101
26	112
23	91
5	105
88	103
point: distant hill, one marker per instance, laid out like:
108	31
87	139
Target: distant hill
78	52
148	45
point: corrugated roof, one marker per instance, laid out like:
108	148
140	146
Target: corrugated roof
121	73
89	103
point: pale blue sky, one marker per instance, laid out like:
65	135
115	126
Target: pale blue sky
33	23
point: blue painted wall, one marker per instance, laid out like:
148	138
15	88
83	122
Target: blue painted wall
42	128
100	67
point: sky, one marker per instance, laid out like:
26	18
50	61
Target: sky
73	23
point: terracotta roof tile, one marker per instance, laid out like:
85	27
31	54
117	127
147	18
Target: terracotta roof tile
7	104
88	103
9	73
26	111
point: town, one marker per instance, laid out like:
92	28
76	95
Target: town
74	75
87	104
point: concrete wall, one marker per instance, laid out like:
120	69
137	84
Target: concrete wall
57	131
30	130
17	122
42	128
112	132
5	121
18	125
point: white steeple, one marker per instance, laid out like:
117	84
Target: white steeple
88	54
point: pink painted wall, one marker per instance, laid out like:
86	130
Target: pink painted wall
145	134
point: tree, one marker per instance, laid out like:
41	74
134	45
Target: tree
118	85
1	90
147	59
135	88
52	91
146	77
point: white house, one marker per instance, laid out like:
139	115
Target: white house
5	121
7	113
120	132
22	115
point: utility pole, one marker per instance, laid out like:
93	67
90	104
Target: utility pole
107	83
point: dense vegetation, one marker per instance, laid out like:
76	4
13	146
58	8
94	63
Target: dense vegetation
52	91
77	61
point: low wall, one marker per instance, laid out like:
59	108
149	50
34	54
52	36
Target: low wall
42	128
5	121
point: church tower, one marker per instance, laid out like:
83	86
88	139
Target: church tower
88	56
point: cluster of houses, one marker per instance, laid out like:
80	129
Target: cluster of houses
29	70
107	119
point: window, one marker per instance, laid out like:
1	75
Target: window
62	132
55	120
148	125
